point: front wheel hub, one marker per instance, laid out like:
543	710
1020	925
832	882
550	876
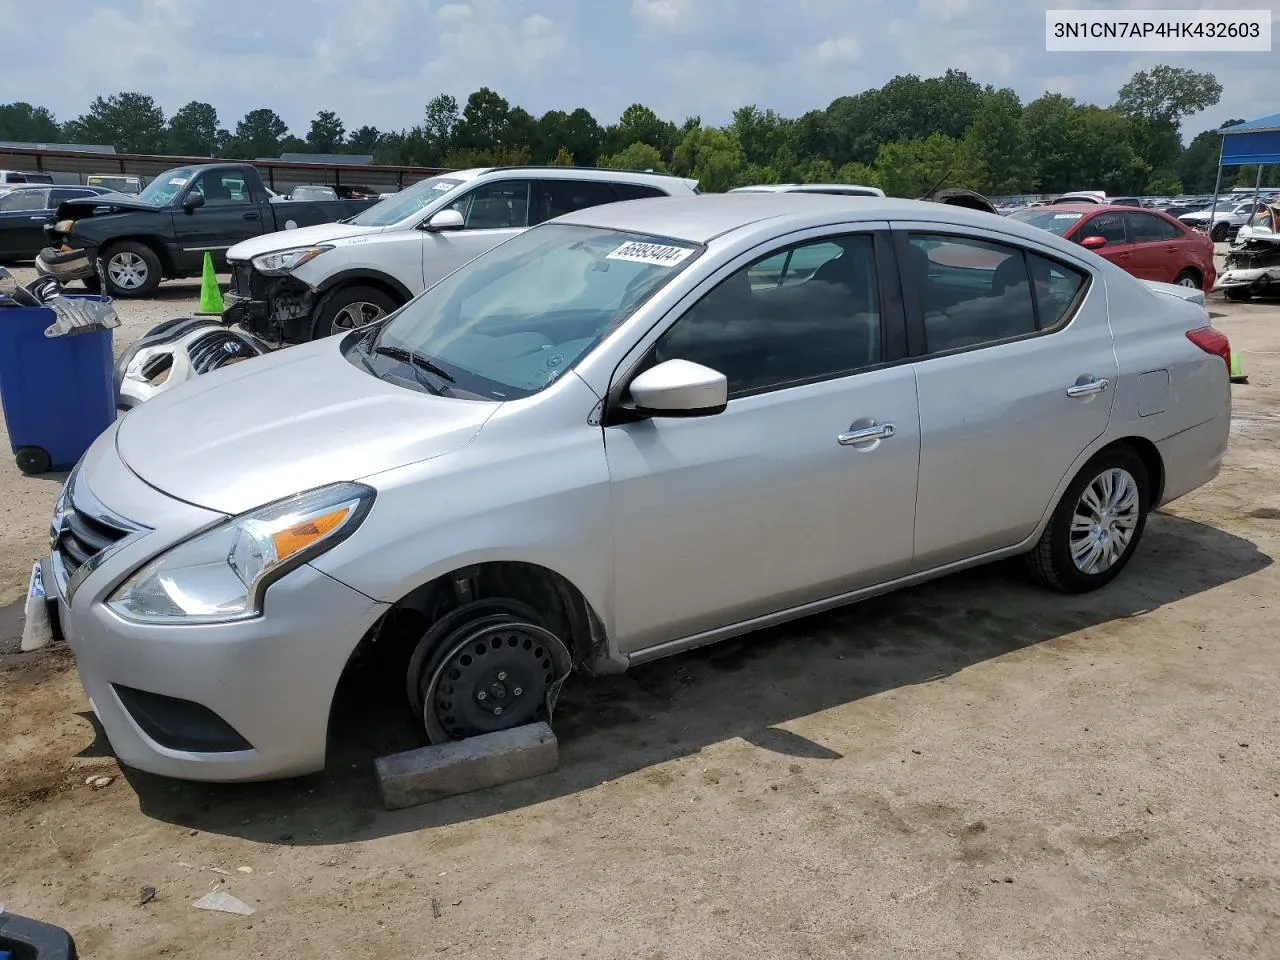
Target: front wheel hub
494	677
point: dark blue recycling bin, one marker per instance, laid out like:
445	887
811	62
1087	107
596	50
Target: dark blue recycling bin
58	393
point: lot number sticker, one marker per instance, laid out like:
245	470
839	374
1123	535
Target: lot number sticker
658	254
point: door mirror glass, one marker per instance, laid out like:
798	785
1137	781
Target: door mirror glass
1093	242
445	220
193	201
680	388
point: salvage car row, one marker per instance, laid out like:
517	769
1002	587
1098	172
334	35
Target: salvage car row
809	395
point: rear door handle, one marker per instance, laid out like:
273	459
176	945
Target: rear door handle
1085	387
251	216
880	431
38	218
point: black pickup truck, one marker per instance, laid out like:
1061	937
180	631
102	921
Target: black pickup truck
164	232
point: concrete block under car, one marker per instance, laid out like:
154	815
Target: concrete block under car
447	769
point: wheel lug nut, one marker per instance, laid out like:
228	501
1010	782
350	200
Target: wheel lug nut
497	711
502	676
517	691
482	695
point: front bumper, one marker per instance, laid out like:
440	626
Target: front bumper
1255	279
270	680
67	265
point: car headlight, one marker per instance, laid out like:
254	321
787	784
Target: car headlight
286	261
221	574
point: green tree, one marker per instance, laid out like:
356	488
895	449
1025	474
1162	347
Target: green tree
1105	153
24	123
763	134
638	156
862	174
131	122
364	140
712	157
911	168
1158	99
259	134
563	158
1046	127
485	122
639	124
439	127
1166	184
193	130
996	145
328	134
522	132
576	132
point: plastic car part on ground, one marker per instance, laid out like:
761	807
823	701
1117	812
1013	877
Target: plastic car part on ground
25	939
177	351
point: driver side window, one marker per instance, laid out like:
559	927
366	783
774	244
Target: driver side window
501	204
806	313
219	190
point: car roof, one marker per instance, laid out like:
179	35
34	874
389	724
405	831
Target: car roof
560	173
703	218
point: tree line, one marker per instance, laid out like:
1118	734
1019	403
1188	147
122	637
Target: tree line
906	137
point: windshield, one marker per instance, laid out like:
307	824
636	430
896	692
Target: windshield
405	203
165	187
1055	221
513	320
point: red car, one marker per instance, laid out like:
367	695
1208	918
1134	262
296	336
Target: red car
1146	243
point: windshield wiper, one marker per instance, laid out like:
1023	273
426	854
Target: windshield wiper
418	363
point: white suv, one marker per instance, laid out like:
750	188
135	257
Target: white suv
300	285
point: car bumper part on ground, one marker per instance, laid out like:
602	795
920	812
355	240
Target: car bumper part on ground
67	265
232	701
1255	279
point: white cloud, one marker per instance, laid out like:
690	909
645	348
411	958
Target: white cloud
669	14
838	50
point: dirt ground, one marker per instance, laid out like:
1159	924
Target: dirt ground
974	768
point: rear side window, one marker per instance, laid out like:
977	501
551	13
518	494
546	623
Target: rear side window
1109	226
1056	288
24	200
558	197
1144	228
972	291
68	193
636	191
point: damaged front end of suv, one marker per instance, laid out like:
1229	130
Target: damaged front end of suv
276	308
1253	263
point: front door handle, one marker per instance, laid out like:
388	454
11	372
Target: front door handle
1087	387
41	218
251	216
880	431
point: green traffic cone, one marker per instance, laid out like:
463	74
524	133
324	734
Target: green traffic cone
210	296
1237	375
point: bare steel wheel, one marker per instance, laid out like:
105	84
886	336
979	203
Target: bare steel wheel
1097	524
491	675
1105	518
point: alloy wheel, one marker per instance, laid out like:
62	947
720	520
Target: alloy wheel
127	270
356	315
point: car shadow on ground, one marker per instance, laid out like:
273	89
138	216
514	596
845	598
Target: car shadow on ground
613	726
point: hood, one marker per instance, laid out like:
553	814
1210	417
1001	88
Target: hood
299	237
118	202
266	428
1190	294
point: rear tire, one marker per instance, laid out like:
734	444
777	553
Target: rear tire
349	309
1188	278
1096	526
1238	294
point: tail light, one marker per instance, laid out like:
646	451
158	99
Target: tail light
1212	341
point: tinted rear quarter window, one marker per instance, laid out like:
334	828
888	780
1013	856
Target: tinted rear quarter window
1144	228
636	191
558	197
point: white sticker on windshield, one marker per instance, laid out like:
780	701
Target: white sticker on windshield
658	254
177	181
1067	216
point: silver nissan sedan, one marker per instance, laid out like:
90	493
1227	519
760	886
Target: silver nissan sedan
631	431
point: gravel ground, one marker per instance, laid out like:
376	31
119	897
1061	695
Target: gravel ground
973	768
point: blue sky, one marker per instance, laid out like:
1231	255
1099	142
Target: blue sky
379	61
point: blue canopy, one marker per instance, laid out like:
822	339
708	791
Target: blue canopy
1257	141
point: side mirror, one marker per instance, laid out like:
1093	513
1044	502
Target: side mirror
193	201
680	388
445	220
1093	243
